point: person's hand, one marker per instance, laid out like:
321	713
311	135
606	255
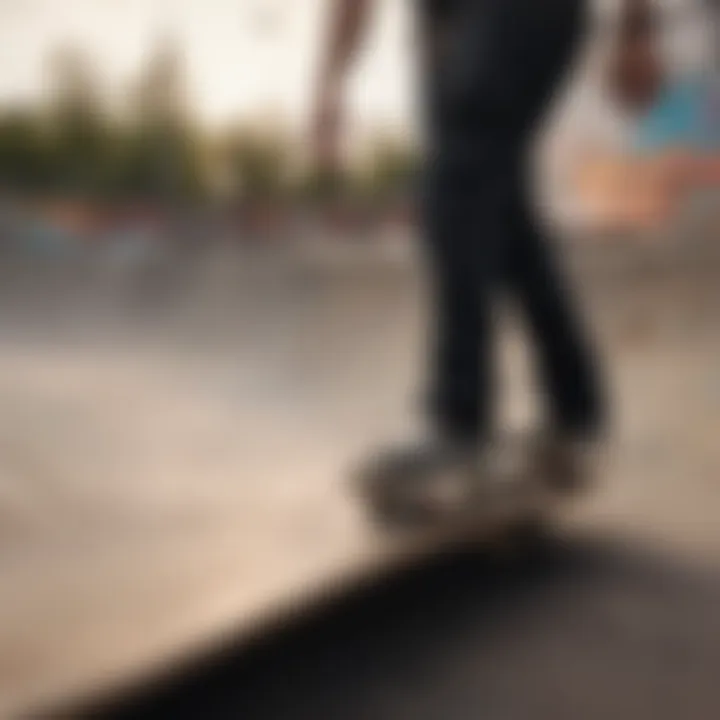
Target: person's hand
636	72
326	130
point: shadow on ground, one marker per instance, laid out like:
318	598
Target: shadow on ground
583	629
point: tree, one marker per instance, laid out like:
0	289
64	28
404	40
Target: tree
256	161
25	162
394	165
161	149
77	124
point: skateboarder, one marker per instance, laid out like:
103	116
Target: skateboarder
490	68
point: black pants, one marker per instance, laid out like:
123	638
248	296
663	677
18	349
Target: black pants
492	69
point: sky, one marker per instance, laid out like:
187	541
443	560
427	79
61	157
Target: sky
244	56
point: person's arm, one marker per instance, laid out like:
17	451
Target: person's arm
347	24
348	20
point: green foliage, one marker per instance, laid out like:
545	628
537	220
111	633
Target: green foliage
73	144
25	152
392	168
158	150
256	161
321	186
77	126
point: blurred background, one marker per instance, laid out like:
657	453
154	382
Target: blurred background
199	333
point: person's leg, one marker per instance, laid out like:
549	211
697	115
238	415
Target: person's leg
437	473
485	90
566	361
565	452
462	226
460	205
504	61
567	364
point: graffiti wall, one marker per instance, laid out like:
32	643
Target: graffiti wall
636	135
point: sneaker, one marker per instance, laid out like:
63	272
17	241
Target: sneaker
424	479
565	463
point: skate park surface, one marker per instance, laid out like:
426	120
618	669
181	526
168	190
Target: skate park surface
174	474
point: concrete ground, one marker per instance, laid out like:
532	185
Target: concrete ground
173	463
